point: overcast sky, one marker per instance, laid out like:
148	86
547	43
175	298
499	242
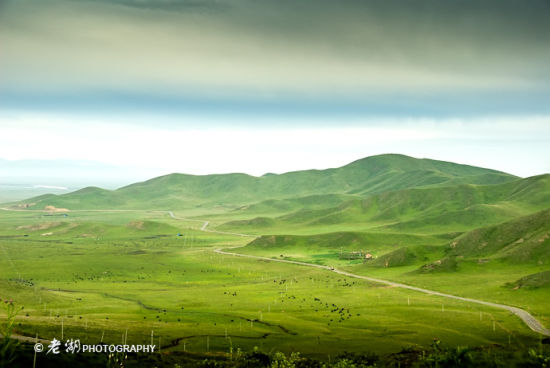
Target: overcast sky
255	86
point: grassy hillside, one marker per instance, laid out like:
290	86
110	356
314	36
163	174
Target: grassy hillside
522	240
312	202
337	248
534	281
421	210
370	175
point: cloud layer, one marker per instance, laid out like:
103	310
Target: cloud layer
202	86
374	55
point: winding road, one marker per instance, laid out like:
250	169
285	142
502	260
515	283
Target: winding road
527	318
205	224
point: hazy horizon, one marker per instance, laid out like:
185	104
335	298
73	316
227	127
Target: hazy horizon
67	175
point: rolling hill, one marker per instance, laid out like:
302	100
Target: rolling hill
368	176
436	209
387	249
525	239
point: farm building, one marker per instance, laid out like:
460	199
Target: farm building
360	254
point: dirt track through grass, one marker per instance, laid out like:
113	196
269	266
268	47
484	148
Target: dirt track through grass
525	316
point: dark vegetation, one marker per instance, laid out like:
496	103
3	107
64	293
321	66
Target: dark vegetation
437	355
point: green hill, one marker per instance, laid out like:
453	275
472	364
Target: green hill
534	281
425	210
312	202
526	239
388	250
522	241
371	175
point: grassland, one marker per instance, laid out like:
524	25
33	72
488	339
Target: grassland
140	260
102	279
479	264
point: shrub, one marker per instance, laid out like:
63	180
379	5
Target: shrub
8	346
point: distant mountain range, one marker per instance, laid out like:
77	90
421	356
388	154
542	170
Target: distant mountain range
359	179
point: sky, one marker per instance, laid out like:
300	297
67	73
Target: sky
106	92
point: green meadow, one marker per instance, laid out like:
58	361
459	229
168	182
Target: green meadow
139	264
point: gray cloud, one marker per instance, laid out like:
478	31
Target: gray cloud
167	5
269	48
